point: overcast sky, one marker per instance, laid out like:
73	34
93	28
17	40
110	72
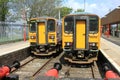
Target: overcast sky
99	7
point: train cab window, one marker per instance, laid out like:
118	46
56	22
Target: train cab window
68	25
93	24
51	25
32	26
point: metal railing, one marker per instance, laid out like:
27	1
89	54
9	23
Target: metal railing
10	31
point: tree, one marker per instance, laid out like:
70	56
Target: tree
45	8
36	8
3	9
65	10
79	10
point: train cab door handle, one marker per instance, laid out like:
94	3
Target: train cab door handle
83	34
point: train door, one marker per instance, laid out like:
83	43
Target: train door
80	34
41	33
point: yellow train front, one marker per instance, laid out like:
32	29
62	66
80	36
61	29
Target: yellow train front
81	37
44	36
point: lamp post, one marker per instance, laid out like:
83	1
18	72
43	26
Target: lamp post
59	13
84	5
25	19
24	27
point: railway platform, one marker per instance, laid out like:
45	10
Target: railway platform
115	40
110	48
11	47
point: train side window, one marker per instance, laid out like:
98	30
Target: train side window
93	24
32	27
68	25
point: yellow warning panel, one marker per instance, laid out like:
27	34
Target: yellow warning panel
41	33
80	35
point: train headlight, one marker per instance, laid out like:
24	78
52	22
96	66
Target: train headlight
68	43
92	44
32	37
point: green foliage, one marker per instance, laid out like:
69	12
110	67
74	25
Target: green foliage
79	10
3	9
65	10
36	8
119	26
17	9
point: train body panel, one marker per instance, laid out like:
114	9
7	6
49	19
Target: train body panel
67	39
95	38
52	38
81	37
32	37
47	40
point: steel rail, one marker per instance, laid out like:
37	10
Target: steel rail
13	70
38	71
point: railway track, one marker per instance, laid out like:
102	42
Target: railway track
80	72
31	68
34	67
38	67
68	71
29	59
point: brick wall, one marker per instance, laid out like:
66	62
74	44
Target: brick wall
11	57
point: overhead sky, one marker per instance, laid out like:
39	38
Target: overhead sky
99	7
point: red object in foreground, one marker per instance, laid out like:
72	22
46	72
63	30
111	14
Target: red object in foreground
110	74
53	73
4	71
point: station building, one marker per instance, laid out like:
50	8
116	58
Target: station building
111	23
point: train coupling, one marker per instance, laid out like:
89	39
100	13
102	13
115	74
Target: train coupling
80	54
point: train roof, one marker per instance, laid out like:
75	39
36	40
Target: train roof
42	17
82	13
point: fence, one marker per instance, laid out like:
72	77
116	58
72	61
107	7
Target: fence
10	31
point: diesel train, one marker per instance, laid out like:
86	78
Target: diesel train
81	37
45	36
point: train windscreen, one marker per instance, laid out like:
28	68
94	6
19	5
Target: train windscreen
93	24
68	24
51	25
32	26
